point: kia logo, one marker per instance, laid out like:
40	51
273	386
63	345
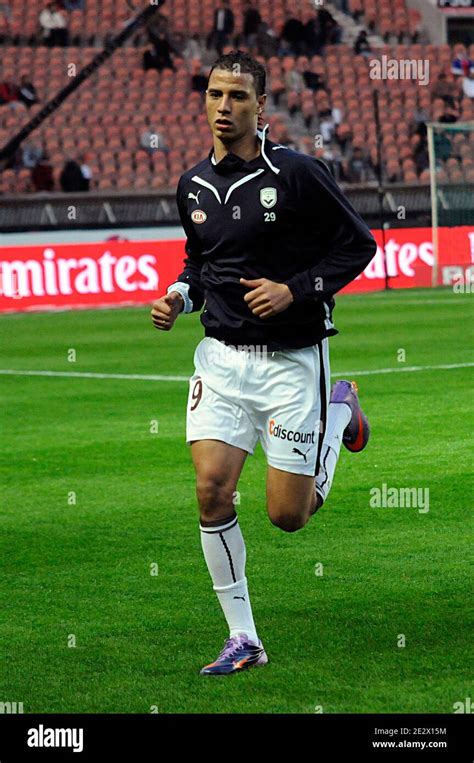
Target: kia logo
198	216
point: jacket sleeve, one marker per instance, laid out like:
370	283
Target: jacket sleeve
188	283
346	242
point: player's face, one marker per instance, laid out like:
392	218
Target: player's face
232	105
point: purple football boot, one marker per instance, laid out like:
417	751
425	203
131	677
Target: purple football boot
357	432
238	654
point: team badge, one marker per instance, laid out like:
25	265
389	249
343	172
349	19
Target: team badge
198	216
268	197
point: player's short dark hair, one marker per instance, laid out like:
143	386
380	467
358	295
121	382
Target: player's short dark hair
246	65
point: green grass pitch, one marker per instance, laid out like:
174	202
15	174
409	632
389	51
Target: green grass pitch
80	573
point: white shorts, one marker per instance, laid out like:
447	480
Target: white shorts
241	396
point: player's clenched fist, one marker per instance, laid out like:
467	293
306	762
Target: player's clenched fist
267	298
165	310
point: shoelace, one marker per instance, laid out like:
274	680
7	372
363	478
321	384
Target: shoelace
232	645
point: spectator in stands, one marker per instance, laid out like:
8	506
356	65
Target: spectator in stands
31	153
312	36
448	116
332	158
267	41
418	126
72	179
160	58
468	84
333	32
327	125
155	26
8	92
86	170
294	80
191	47
421	155
343	6
362	44
5	19
27	92
356	12
325	22
284	137
462	64
292	39
343	136
54	25
252	21
224	24
74	5
444	89
42	175
375	166
198	78
313	80
355	168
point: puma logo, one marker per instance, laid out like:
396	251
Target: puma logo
240	597
194	196
295	450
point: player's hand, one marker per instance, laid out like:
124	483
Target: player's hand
267	298
166	309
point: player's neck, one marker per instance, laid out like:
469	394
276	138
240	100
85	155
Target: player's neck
247	148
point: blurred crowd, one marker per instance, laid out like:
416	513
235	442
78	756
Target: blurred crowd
299	40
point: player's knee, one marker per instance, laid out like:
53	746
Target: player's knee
288	521
214	495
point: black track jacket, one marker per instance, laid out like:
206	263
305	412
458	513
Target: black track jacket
280	216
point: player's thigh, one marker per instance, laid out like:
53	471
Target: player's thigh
218	427
290	498
218	466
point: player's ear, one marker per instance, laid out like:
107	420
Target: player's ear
261	99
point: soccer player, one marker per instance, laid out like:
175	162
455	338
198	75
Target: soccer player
270	239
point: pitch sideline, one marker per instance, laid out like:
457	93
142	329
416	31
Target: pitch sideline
162	378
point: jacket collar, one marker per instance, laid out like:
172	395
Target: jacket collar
232	163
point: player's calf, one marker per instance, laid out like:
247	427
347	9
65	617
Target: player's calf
218	467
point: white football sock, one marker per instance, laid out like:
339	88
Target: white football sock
339	415
224	551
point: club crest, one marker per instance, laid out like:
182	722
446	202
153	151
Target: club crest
268	197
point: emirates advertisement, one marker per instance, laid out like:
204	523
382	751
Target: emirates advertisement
114	272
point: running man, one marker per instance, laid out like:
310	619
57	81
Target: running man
270	240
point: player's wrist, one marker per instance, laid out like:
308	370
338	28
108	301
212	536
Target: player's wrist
175	294
288	293
183	290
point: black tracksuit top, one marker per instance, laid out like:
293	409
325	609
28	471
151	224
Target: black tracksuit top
280	216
